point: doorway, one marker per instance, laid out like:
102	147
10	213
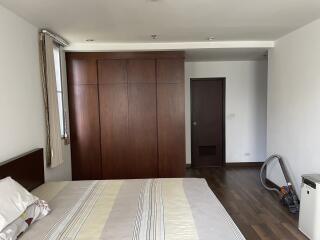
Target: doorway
207	122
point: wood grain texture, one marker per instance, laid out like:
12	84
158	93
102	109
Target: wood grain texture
84	132
113	95
256	211
112	71
126	55
142	118
171	130
81	71
143	130
128	119
114	130
141	71
170	70
171	117
127	96
244	164
27	169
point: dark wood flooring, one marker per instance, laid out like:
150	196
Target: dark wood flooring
256	211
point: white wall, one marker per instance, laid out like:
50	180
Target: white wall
294	103
22	124
246	106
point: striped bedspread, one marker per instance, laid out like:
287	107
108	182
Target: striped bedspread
145	209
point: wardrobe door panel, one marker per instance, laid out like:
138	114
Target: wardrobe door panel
171	117
143	130
171	130
81	71
114	130
141	71
112	71
170	70
85	132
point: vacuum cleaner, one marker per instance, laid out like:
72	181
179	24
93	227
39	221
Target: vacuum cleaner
287	194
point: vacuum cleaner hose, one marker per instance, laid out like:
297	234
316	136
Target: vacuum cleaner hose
263	172
287	194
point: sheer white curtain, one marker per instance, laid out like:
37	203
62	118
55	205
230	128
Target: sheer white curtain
55	135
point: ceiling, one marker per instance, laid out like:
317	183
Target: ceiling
172	20
226	54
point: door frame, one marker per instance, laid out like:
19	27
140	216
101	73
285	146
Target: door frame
223	115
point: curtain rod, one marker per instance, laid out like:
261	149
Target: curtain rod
56	37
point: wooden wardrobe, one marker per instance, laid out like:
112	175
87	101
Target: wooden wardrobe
126	115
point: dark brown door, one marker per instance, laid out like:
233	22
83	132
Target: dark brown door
207	122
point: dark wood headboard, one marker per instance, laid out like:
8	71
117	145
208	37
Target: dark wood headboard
27	169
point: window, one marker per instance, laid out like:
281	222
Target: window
57	66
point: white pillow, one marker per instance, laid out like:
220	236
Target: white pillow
14	200
33	213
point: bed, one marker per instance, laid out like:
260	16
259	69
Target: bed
138	209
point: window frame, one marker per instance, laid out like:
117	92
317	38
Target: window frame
61	103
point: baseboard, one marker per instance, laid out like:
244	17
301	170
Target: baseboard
272	184
244	164
235	164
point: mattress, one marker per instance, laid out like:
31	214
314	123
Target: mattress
144	209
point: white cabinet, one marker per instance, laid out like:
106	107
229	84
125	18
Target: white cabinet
309	217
